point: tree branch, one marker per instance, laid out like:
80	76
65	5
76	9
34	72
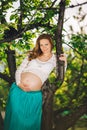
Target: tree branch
5	77
29	27
70	119
53	3
19	26
75	50
72	6
2	17
54	8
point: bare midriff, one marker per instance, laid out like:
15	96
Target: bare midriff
31	80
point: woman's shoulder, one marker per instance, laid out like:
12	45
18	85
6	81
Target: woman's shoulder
54	55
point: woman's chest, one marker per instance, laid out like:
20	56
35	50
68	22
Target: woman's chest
40	65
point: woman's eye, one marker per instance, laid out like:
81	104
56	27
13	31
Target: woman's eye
46	44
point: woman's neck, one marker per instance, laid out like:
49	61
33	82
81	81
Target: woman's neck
47	54
45	57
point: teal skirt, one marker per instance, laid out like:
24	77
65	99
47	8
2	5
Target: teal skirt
23	110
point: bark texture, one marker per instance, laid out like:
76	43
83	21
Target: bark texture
47	122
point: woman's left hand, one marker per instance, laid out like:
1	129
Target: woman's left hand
63	58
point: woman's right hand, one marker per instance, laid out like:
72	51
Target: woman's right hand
24	87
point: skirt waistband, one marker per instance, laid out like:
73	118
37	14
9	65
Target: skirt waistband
31	91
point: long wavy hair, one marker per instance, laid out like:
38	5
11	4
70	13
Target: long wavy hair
36	50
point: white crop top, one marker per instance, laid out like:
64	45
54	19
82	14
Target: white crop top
37	67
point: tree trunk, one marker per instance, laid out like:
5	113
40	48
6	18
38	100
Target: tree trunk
73	127
47	121
58	38
11	63
64	123
47	117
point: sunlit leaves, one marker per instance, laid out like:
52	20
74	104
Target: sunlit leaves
3	94
73	91
52	77
79	42
67	2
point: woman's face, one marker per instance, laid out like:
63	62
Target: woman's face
45	46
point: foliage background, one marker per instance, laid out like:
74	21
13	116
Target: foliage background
32	18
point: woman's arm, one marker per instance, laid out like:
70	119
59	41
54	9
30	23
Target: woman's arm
63	58
20	69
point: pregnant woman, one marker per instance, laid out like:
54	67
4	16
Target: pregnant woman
24	105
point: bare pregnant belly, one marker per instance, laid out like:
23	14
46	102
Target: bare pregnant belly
31	80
